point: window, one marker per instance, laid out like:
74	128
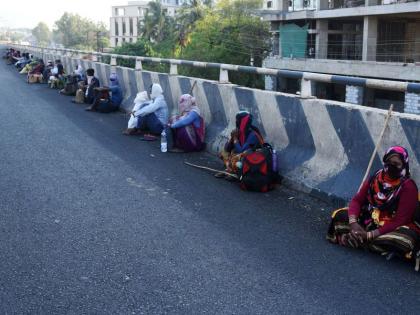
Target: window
131	26
116	29
116	42
124	28
269	4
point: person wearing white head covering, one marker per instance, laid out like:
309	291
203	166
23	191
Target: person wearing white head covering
153	117
141	100
79	72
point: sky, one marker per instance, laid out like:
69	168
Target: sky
28	13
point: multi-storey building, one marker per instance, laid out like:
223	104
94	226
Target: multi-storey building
365	38
125	19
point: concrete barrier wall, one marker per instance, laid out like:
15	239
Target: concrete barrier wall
324	146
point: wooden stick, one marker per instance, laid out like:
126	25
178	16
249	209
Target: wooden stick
193	86
378	143
212	170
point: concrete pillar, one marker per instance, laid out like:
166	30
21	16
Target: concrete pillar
112	27
120	31
370	38
270	83
354	94
223	76
412	103
139	65
322	4
135	28
282	5
127	26
307	88
321	42
173	69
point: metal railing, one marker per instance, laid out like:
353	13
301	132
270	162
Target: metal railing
305	77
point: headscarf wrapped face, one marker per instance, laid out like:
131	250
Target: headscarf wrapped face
187	104
243	125
155	91
141	97
391	169
113	80
386	184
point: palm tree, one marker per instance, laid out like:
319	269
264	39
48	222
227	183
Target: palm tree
187	17
153	25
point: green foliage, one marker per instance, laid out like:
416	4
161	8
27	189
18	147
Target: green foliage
156	23
74	31
42	33
230	34
140	48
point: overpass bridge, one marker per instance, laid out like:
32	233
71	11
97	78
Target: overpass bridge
92	221
324	146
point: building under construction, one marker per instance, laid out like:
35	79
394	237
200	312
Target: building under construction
364	38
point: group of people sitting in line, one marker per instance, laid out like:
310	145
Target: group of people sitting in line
186	131
383	216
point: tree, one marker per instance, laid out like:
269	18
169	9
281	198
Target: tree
186	19
154	23
230	34
74	31
42	33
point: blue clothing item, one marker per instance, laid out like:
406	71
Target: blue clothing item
191	118
251	140
151	123
116	97
158	107
105	106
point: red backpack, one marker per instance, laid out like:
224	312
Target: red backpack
257	172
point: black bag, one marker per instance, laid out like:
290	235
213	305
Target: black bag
256	173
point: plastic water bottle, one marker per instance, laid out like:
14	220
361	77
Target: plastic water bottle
163	142
274	161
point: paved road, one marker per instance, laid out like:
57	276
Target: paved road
95	222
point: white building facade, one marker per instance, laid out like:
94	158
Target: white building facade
124	22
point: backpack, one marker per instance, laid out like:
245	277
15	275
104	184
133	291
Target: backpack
259	169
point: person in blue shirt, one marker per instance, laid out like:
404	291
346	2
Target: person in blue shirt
188	128
109	103
244	137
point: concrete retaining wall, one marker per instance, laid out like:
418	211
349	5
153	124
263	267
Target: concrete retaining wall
324	146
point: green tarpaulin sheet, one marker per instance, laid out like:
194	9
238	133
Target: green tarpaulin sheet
293	40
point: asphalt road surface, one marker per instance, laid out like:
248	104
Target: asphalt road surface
94	222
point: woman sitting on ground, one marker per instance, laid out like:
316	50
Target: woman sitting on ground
244	137
141	100
381	217
108	103
187	128
153	117
35	75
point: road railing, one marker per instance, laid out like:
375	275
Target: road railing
306	78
